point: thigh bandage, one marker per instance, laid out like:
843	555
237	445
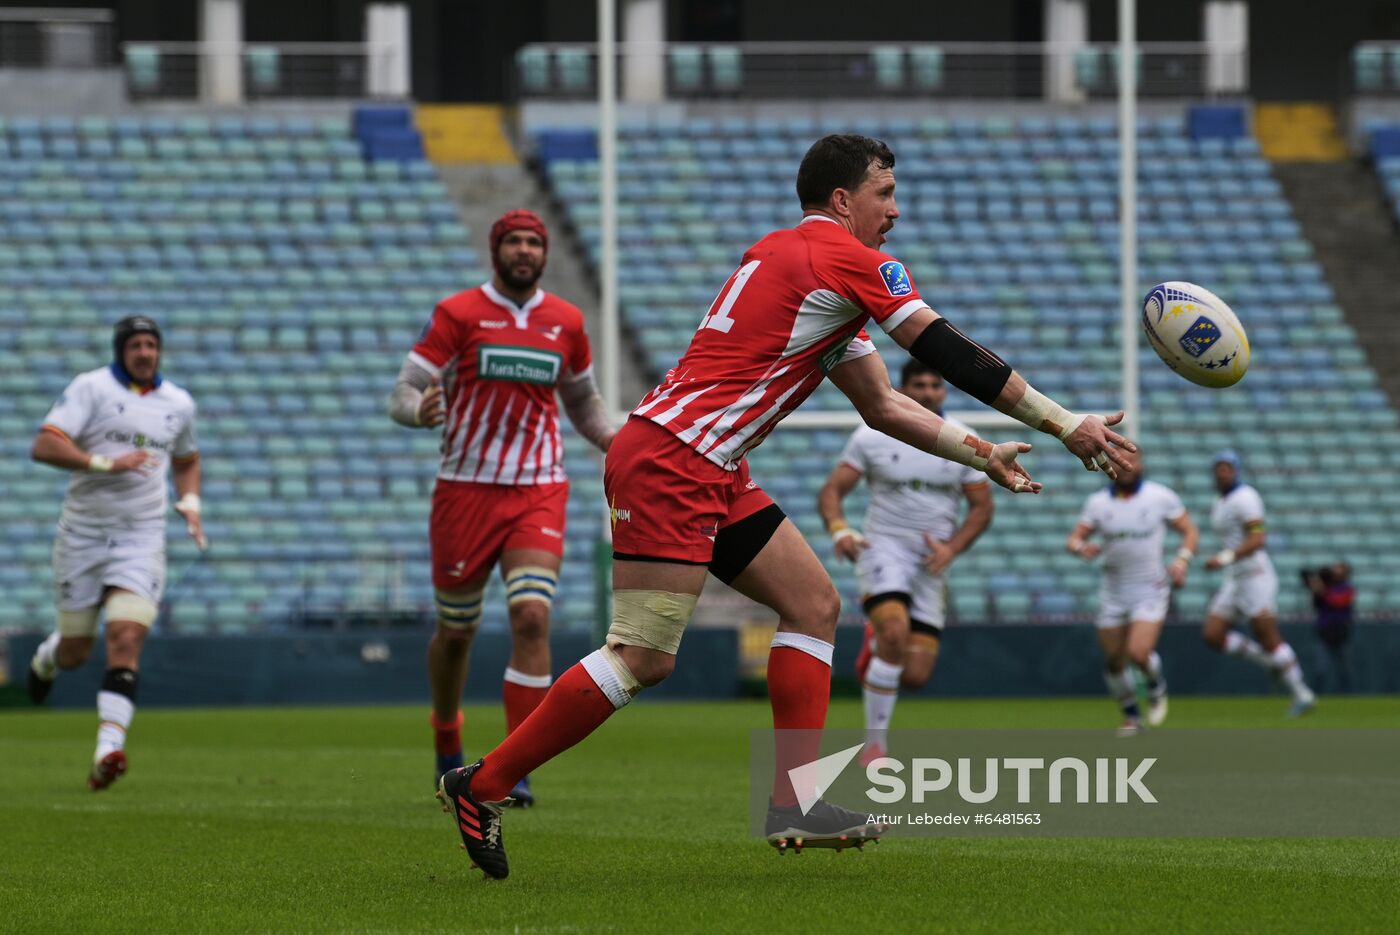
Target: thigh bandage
531	583
77	622
123	605
458	610
653	619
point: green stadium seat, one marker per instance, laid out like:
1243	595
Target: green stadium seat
887	62
726	67
926	66
686	68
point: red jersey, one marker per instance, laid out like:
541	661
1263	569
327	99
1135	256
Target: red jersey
792	311
500	364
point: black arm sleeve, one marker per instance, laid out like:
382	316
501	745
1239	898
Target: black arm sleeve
963	362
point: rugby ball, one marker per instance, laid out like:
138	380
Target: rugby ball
1196	334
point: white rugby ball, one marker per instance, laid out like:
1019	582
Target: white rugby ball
1196	334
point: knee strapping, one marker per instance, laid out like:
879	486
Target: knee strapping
531	583
123	605
652	619
77	622
459	611
612	676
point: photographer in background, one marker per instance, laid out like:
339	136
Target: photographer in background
1334	599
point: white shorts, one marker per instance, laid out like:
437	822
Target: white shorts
889	566
1247	597
1142	603
85	563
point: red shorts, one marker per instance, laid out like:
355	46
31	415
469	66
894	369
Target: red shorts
667	501
472	524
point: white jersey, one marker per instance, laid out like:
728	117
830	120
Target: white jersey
1132	529
105	417
1228	517
911	492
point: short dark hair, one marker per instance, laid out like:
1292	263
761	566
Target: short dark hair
916	368
838	161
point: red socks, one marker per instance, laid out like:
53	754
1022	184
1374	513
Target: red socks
522	694
799	685
447	737
570	711
799	688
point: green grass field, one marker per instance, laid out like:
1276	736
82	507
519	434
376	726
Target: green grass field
322	819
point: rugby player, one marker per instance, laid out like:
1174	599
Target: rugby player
911	535
683	503
121	430
488	373
1250	588
1131	519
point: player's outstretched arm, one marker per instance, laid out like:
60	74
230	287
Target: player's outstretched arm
53	447
975	370
866	382
586	410
417	398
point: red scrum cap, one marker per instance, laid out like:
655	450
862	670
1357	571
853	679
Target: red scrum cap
518	219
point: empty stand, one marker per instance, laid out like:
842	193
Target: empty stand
290	276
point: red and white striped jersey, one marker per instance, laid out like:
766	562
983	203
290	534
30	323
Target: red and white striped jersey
792	311
500	364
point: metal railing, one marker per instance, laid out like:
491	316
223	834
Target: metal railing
783	70
35	37
254	71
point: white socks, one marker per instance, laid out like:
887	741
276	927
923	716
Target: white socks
1285	662
45	663
1156	685
1282	661
1239	645
114	713
881	691
1120	686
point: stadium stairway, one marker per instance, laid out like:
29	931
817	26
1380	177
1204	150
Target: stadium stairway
1339	207
1302	132
463	133
484	191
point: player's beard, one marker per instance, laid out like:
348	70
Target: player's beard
521	283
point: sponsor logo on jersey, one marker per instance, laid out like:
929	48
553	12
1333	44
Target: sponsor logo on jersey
895	278
1200	336
618	516
838	350
494	324
139	440
518	364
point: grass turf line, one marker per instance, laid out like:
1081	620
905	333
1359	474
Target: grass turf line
321	819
